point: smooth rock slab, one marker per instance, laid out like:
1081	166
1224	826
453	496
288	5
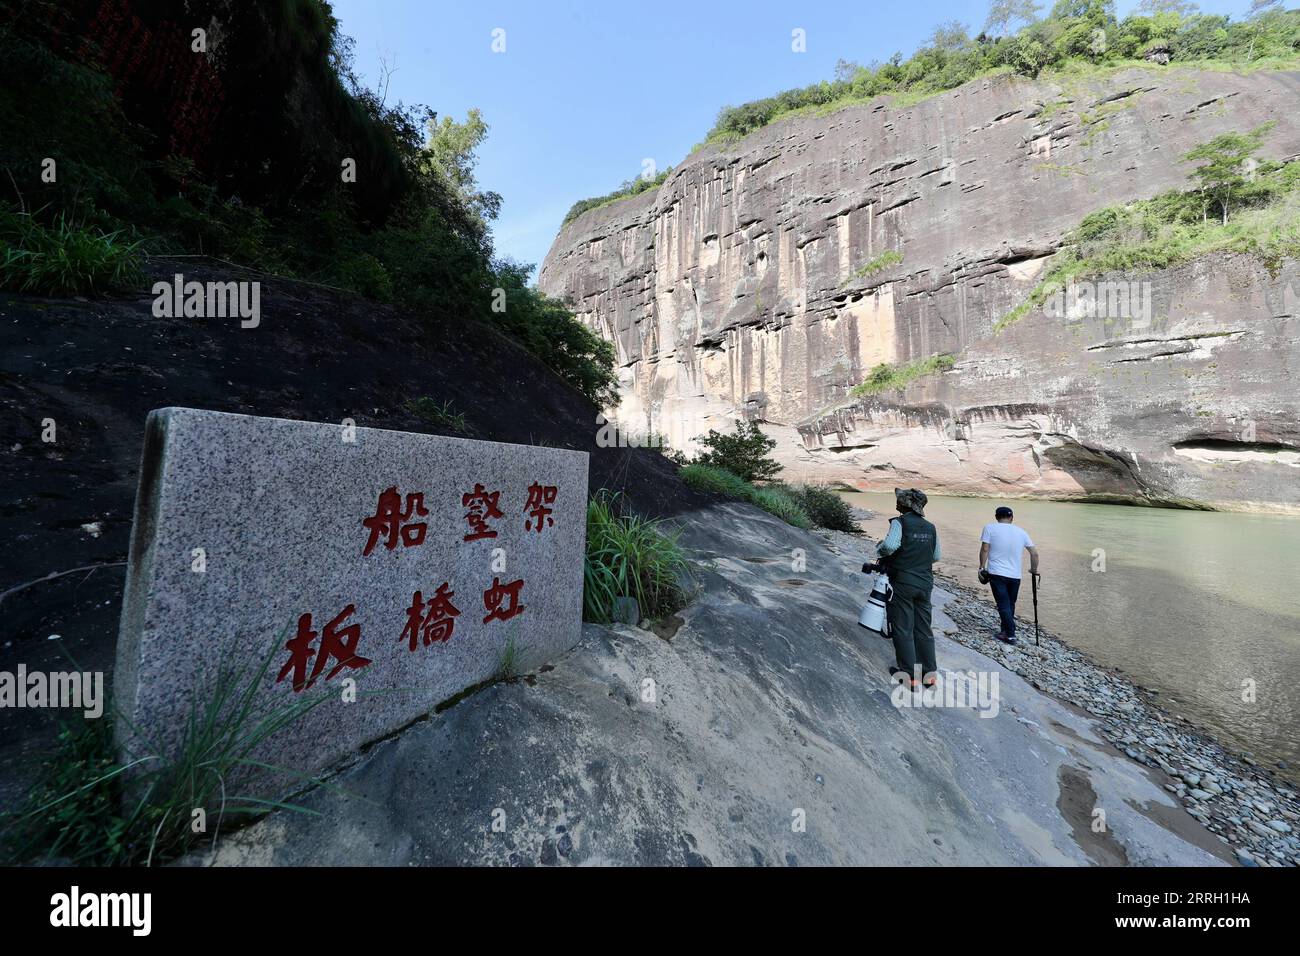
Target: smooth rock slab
253	536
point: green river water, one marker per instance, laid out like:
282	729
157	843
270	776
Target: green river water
1193	604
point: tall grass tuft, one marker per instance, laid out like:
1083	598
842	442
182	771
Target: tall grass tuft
439	414
779	501
629	556
776	499
509	661
93	807
716	480
65	258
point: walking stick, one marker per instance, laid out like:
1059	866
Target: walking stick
1034	580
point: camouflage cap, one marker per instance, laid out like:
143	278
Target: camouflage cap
913	499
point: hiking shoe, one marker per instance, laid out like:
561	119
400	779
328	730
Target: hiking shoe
930	680
899	676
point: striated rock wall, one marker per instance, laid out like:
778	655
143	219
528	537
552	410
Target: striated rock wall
1195	405
738	288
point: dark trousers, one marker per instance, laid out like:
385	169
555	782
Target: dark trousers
909	626
1005	592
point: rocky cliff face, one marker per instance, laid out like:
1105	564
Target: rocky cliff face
752	284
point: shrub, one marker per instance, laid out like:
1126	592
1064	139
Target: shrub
743	453
887	377
825	507
777	499
629	556
366	275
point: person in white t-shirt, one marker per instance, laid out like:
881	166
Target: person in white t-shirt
1001	546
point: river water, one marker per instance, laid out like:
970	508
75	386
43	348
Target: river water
1193	604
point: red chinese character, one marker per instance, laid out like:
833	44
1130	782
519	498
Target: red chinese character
389	519
539	496
482	505
433	621
341	645
493	596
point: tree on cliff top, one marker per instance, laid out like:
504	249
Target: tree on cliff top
1003	13
451	153
1151	8
950	36
1223	168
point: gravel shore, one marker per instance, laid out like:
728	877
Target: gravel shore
1244	804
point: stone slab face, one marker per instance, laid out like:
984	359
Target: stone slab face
253	536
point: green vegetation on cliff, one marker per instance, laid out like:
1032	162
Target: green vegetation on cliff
275	158
890	257
630	187
1241	205
888	377
1077	36
1076	39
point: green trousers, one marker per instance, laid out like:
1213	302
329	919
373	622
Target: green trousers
909	626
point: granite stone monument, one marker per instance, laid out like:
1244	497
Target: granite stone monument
383	572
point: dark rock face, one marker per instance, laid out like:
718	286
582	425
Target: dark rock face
255	109
764	280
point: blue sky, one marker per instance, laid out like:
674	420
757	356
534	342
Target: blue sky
585	91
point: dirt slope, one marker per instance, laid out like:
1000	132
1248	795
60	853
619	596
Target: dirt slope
96	368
